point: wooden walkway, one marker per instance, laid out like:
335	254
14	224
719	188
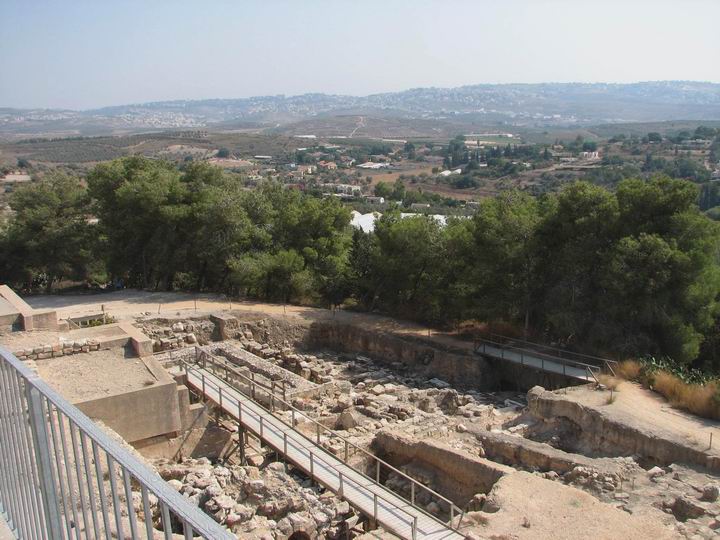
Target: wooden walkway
373	499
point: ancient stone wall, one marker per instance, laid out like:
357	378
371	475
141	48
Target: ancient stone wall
424	358
605	435
454	474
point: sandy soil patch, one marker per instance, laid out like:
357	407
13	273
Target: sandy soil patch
86	376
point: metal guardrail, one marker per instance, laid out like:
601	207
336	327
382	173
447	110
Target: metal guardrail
62	477
415	485
592	370
314	456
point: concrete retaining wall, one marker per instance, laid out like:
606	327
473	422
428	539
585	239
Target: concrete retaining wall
142	413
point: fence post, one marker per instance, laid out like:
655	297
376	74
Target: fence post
285	449
41	445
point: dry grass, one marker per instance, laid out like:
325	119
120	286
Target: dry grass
700	399
629	370
695	398
610	382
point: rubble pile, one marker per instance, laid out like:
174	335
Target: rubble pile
178	334
261	504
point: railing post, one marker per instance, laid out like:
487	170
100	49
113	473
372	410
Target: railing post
346	450
341	485
38	429
285	449
414	528
220	392
377	470
261	426
412	493
312	469
203	387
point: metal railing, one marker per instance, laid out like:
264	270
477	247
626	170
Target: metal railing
589	370
550	349
380	466
62	477
230	404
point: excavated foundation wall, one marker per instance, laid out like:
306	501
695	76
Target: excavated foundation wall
455	475
430	358
604	435
423	358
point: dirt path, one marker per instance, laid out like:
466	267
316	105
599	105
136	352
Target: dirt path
635	402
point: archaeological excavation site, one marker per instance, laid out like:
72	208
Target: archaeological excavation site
219	420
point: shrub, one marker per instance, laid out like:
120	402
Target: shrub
609	381
700	399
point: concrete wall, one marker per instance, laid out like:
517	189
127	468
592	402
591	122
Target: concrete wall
9	321
30	318
143	413
140	414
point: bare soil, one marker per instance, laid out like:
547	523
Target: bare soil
93	375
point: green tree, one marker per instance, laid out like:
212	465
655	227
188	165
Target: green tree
504	241
50	238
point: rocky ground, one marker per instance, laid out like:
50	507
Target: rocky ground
260	504
551	479
379	397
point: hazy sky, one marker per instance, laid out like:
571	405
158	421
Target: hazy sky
83	54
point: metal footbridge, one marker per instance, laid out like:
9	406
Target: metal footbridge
209	376
582	367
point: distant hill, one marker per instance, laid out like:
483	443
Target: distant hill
536	105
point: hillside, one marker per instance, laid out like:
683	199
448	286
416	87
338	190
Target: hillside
529	105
